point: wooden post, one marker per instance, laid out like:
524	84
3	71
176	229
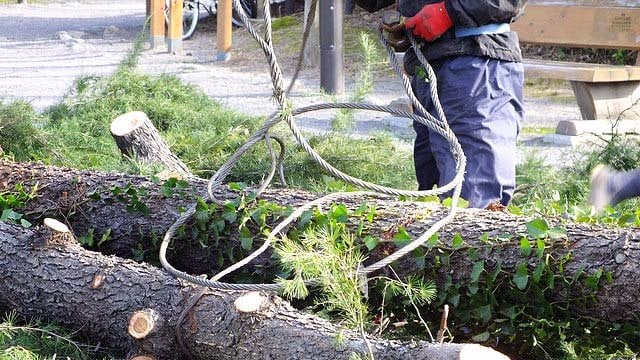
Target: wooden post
157	23
260	12
224	30
175	27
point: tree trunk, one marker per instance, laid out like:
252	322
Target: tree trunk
137	138
66	193
134	308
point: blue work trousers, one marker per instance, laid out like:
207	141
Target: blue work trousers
482	100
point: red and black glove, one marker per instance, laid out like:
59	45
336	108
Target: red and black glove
430	22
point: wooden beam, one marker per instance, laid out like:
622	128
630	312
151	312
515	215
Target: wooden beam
175	27
580	26
224	30
580	71
157	23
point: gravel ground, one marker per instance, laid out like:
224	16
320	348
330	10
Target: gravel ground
44	47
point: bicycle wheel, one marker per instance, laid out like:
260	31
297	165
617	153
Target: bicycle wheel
190	15
250	7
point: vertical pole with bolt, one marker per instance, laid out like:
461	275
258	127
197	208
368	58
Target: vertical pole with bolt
224	30
331	48
175	27
157	23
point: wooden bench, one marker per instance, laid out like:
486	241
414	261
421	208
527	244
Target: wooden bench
603	92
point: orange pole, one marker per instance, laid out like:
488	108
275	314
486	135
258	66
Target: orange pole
175	27
223	35
157	23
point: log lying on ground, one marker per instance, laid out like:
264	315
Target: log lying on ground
591	248
134	307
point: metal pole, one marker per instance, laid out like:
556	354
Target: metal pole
331	50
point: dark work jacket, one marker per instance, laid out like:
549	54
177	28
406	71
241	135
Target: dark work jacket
469	13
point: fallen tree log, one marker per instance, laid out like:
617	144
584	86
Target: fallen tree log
586	249
134	308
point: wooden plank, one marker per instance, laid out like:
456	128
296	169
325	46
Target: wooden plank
597	127
580	71
580	26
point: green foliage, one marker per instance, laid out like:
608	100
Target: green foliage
12	203
35	341
283	22
363	85
20	136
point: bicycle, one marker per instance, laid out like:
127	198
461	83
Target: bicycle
191	13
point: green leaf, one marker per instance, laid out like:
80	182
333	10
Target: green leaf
402	238
482	337
457	241
484	238
477	270
525	246
25	223
592	280
339	213
246	239
521	277
433	241
537	228
484	313
540	248
557	232
537	273
371	242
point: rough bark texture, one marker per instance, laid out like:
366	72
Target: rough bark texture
57	283
136	137
591	247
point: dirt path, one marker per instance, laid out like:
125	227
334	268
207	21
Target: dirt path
43	48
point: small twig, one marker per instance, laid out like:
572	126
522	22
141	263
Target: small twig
443	324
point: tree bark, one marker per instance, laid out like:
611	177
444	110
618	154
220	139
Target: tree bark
137	138
591	248
134	309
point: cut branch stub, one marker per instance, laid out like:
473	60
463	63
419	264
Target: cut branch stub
59	233
143	322
137	138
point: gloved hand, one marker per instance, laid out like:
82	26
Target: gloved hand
430	22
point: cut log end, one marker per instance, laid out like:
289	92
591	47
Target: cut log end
59	233
478	352
56	226
142	323
143	357
251	302
126	123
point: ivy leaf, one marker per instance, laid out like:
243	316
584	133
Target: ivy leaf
539	248
433	241
537	273
525	246
477	270
537	228
339	213
482	337
557	232
521	277
402	238
457	241
370	242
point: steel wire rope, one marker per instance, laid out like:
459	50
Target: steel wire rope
440	126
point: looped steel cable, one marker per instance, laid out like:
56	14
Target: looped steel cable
437	124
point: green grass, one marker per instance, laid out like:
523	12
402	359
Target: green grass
21	340
550	89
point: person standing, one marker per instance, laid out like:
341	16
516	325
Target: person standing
477	61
